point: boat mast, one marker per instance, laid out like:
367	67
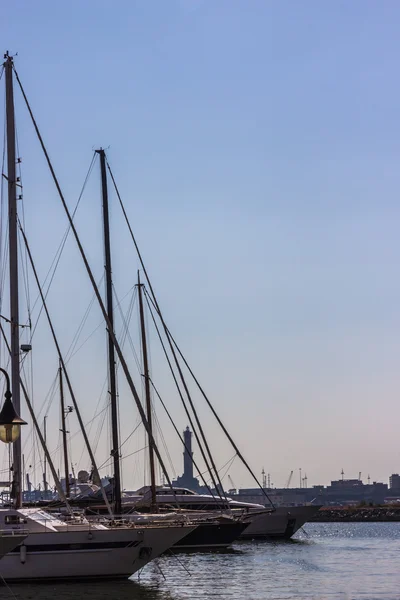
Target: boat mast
13	252
64	433
148	397
44	458
111	352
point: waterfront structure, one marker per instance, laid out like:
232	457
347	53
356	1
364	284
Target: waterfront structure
340	492
187	480
394	481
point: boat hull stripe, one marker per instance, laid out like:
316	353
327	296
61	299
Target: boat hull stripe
86	546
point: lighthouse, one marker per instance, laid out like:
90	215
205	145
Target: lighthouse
187	455
187	480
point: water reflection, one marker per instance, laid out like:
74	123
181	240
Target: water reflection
92	590
333	562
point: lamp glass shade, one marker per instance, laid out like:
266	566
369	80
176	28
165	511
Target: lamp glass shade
10	433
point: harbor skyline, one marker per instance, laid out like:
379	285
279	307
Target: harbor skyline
261	182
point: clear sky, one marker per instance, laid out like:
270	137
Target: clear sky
257	147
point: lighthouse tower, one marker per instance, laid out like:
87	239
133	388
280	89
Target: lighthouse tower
187	455
187	480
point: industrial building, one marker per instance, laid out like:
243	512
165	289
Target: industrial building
340	492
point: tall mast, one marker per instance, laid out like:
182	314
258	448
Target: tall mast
64	433
111	354
44	459
13	251
148	398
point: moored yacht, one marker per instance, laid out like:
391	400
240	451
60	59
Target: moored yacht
57	549
10	540
263	523
53	548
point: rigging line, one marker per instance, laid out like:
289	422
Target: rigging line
130	435
79	330
181	438
171	348
199	425
59	252
2	208
3	470
9	321
102	410
48	398
73	435
182	398
108	462
127	334
160	433
3	267
228	462
123	338
25	279
100	426
35	423
3	233
97	327
240	455
126	319
67	379
68	229
228	466
155	303
24	265
99	430
32	395
92	280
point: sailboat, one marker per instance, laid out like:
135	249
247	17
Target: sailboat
218	527
10	540
55	549
213	531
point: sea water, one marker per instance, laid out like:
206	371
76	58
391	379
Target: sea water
325	561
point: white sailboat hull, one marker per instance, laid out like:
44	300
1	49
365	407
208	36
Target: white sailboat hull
282	523
88	554
9	541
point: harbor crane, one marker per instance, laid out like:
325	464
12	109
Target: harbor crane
289	479
232	482
264	479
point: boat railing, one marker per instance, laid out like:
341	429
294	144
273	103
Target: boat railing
13	532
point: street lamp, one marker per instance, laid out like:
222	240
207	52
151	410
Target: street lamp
10	422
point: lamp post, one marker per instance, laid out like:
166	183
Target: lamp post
10	421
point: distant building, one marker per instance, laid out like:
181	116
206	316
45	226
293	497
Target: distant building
394	481
187	480
354	491
343	492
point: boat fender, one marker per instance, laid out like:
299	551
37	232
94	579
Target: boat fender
90	535
22	554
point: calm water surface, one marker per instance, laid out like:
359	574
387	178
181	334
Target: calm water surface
327	562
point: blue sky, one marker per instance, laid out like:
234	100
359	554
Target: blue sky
257	146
